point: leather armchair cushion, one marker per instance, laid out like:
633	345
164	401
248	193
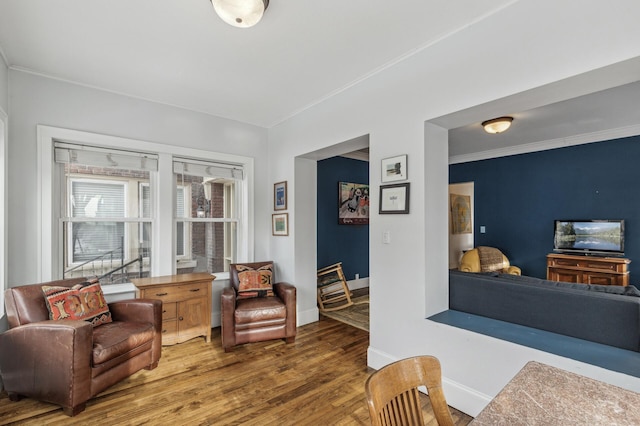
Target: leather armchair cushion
119	339
259	312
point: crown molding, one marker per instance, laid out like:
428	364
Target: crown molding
609	134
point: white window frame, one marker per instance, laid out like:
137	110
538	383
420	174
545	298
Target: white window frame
4	136
72	219
162	182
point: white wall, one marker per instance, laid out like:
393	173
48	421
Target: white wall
459	243
409	276
37	100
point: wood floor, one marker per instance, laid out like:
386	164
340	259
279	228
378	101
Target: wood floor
318	380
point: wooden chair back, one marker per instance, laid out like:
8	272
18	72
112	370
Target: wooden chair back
393	397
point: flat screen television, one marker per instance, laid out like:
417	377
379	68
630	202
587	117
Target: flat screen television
589	237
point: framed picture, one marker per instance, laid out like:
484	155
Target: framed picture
394	169
353	203
280	224
280	196
394	199
460	214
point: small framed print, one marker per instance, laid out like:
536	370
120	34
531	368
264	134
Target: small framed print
280	224
394	169
280	196
394	199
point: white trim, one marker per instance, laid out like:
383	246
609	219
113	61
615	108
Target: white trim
164	264
603	135
4	137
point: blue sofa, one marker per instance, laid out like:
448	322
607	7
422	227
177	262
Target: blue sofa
608	315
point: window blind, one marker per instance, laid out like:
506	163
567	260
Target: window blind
207	169
100	157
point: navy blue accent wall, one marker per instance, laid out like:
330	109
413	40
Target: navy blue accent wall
348	244
517	198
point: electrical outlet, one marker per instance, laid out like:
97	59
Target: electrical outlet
386	237
357	276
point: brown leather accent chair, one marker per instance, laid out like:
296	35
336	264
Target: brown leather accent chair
257	319
67	362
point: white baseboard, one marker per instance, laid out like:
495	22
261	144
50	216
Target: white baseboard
359	283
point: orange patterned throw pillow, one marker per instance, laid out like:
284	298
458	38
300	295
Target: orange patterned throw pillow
255	282
80	302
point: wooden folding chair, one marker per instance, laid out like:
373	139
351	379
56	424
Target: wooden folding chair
333	292
392	392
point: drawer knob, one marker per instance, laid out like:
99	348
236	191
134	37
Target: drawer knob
181	318
161	294
164	331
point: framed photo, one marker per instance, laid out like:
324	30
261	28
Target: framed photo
460	214
353	203
280	224
280	196
394	169
394	199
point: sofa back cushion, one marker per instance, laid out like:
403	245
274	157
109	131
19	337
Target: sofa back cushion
26	304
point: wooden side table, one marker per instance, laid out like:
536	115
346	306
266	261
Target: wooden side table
186	304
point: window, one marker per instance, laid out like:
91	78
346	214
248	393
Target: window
206	215
104	229
147	197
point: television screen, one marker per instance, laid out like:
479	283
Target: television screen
589	236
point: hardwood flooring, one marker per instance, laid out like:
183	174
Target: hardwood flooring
318	380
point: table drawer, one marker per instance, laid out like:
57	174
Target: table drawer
179	292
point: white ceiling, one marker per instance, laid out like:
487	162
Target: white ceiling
178	52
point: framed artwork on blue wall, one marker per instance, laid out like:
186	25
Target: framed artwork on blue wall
353	208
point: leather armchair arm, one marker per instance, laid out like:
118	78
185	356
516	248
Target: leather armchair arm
287	293
141	310
137	310
49	360
227	308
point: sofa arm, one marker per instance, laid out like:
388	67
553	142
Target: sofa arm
49	361
287	293
227	309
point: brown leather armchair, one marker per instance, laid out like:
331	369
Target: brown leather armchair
487	259
247	320
67	362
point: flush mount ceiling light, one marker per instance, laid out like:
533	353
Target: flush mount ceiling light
240	13
497	125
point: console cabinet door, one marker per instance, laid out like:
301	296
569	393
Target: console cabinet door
192	314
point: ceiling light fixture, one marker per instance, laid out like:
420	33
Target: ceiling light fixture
240	13
497	125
